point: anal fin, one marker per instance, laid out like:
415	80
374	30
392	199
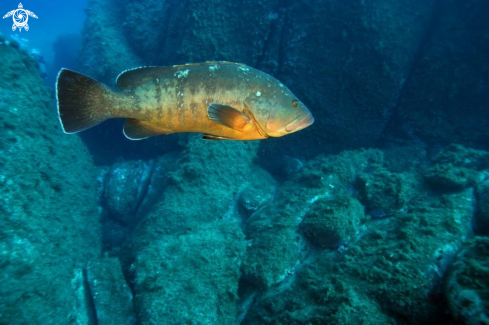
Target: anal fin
137	130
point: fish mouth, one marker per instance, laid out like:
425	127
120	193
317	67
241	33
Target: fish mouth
300	123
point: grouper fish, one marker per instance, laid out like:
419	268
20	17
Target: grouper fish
221	100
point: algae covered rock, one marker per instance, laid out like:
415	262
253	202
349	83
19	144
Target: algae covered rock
385	193
112	297
309	197
393	267
125	187
258	191
339	171
190	278
462	156
332	221
467	283
451	178
186	254
456	168
103	36
315	294
48	201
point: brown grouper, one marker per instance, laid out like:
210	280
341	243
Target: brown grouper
222	100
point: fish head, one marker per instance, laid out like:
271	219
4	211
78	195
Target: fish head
278	111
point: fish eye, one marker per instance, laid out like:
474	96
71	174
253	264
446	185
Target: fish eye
295	103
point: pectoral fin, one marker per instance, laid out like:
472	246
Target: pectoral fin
228	116
138	130
214	137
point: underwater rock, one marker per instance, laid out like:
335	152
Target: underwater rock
190	278
83	311
130	189
365	48
403	261
397	264
481	222
125	187
339	172
315	294
105	51
467	283
48	201
456	168
257	192
461	156
386	194
448	72
253	199
109	292
274	231
187	252
332	221
451	178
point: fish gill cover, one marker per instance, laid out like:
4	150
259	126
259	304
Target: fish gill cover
377	213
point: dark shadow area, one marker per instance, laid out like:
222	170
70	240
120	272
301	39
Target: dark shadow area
107	144
66	49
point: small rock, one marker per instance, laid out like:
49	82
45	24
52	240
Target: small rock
449	178
331	221
111	295
126	185
385	193
467	283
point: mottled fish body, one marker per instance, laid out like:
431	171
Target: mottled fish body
222	100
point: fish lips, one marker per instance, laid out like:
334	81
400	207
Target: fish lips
300	123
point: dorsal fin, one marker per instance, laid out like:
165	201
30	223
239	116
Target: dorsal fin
132	78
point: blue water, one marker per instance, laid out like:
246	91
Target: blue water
56	18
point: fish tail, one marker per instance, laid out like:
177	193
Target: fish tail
82	101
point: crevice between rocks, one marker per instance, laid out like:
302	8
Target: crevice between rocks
394	116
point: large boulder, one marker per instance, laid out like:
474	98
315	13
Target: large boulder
48	202
186	254
313	257
445	97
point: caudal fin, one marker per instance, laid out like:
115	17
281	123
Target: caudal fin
81	101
